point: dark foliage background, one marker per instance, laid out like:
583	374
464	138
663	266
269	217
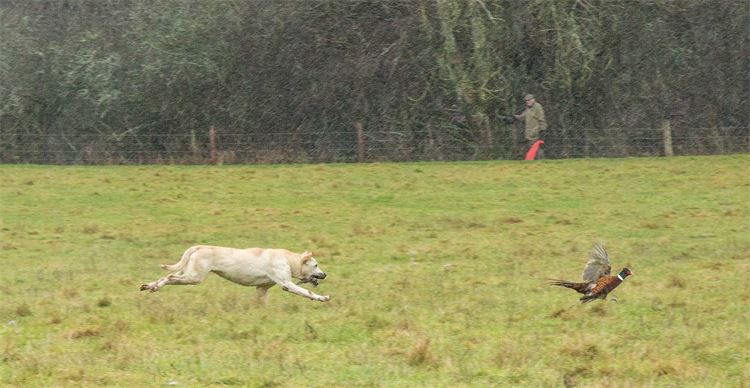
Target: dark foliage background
117	81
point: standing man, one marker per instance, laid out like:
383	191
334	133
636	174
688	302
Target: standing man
535	122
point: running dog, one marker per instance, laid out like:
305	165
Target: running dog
258	267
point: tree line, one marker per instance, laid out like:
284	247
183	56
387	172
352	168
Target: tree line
109	81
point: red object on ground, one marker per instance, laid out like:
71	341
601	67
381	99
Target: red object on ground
531	155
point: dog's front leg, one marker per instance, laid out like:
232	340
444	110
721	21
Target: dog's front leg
262	293
287	285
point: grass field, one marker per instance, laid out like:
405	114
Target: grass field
436	272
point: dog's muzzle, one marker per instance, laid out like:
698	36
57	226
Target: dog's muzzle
313	279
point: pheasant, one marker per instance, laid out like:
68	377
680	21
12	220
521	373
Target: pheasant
597	282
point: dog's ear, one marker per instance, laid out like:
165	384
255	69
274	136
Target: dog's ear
305	256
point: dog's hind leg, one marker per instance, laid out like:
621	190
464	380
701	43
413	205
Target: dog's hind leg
193	274
158	284
152	286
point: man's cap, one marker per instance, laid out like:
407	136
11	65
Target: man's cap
528	97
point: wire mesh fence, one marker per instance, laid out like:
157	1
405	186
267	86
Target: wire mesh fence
360	145
92	82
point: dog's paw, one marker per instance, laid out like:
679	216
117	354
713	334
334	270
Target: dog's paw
324	298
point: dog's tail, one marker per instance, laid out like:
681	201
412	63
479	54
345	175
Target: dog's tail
183	261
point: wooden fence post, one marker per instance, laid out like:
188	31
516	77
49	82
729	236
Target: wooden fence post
212	144
360	142
666	128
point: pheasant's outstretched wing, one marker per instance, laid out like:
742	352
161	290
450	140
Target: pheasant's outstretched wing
598	264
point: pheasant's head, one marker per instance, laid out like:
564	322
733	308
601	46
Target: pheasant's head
625	273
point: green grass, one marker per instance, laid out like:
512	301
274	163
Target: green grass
436	272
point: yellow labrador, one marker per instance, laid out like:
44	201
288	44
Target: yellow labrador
257	267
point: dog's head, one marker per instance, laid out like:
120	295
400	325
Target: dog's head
310	271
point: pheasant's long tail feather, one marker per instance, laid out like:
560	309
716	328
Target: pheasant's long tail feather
563	283
579	287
